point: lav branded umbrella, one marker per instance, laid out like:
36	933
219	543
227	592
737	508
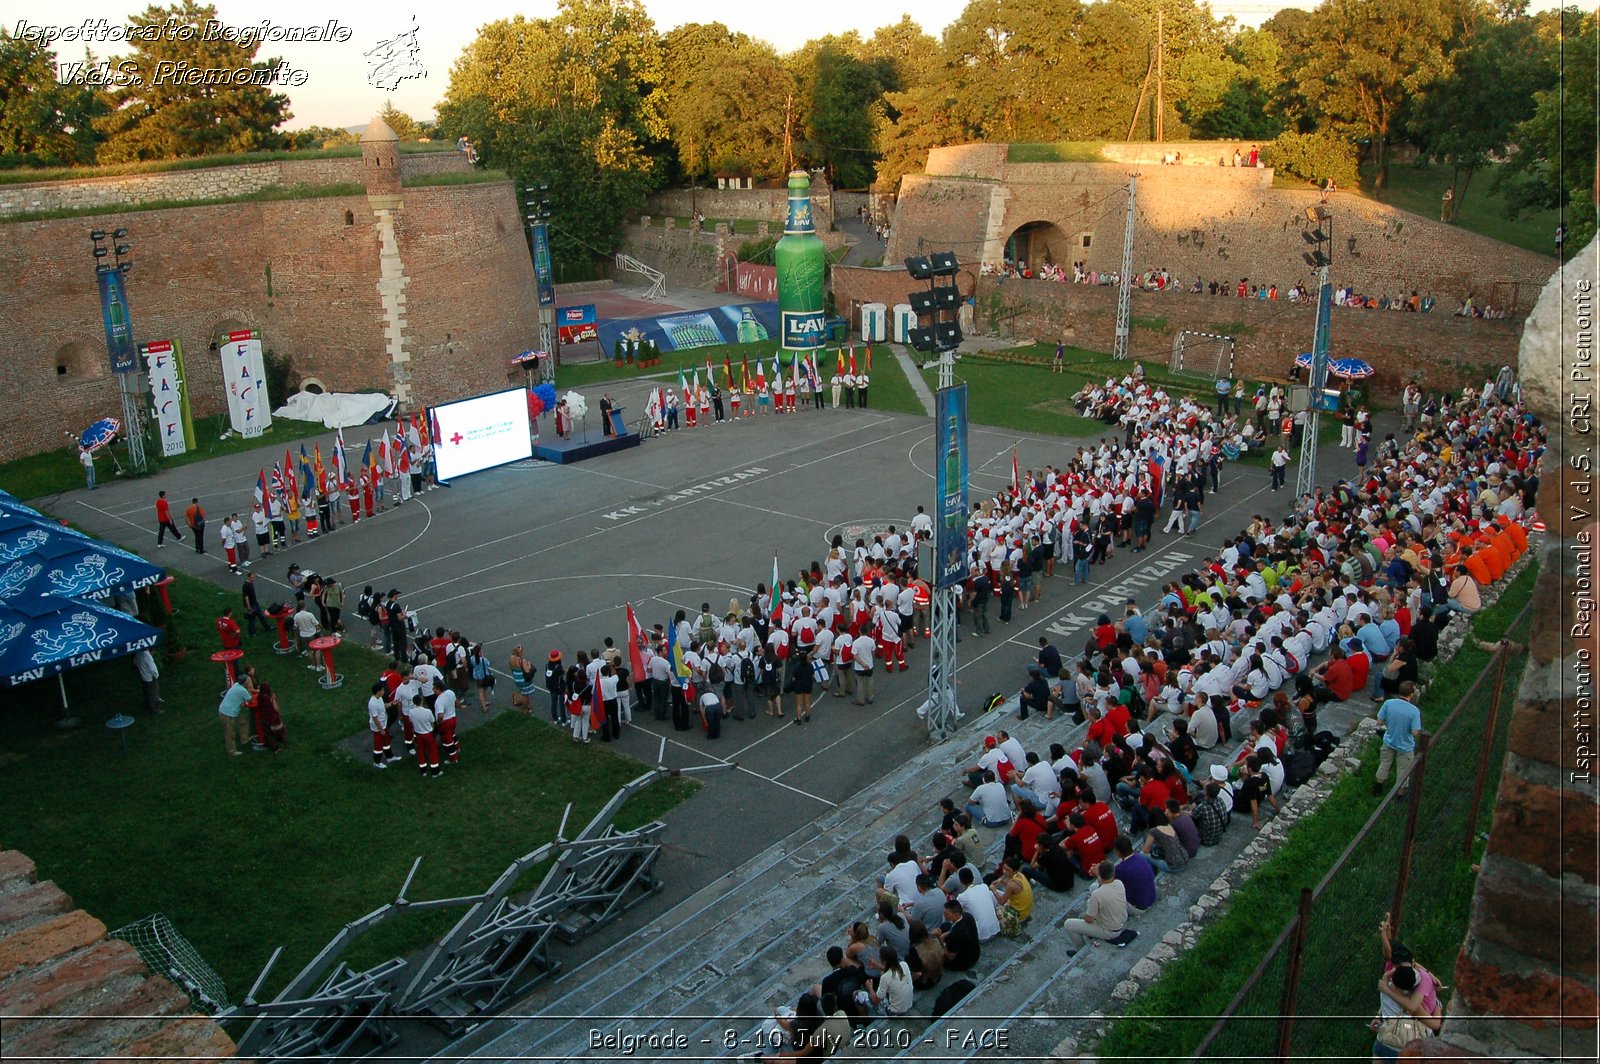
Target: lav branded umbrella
1350	368
101	434
1304	359
60	561
43	635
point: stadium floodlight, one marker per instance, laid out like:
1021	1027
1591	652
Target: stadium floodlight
919	268
922	303
944	264
921	339
947	297
947	335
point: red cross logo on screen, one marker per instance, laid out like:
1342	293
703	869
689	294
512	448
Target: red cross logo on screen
456	439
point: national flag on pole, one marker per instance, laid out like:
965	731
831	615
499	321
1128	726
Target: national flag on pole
319	470
839	370
635	640
341	463
852	360
1016	474
597	707
711	378
727	371
385	455
652	410
775	596
680	670
277	479
777	373
794	369
261	487
744	373
869	358
367	462
1157	466
404	463
696	398
811	369
683	389
427	422
306	480
761	374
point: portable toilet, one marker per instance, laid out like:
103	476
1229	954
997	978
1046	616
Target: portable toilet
904	322
874	322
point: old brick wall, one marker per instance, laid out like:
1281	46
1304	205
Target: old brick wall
770	204
210	183
1213	222
70	993
293	269
689	257
1441	350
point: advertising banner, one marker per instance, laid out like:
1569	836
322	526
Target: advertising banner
244	374
746	323
542	272
119	326
167	396
950	522
576	325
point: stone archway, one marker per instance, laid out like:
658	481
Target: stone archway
1038	242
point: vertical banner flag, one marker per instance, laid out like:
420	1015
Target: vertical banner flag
167	396
775	596
542	272
341	464
119	327
950	533
635	640
1016	475
261	488
244	375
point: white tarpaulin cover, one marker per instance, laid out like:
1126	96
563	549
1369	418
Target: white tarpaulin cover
336	410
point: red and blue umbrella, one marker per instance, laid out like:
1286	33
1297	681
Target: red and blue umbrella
101	434
1353	369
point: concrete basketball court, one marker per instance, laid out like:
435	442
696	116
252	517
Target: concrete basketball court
547	556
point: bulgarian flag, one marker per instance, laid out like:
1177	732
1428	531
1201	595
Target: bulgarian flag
635	640
775	596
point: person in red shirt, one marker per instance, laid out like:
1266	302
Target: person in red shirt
1085	845
1099	816
1105	633
1337	678
164	520
1360	665
1101	730
1119	718
1027	830
228	630
1153	794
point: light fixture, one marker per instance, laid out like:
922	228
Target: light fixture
919	268
97	234
101	253
944	264
120	233
123	249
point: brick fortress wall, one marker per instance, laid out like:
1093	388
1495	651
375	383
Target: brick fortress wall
293	269
689	256
1218	223
210	183
1442	350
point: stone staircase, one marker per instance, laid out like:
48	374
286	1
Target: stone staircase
704	976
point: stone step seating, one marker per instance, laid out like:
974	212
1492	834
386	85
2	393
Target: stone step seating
757	935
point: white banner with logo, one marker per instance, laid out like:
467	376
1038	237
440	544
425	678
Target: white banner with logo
166	395
244	374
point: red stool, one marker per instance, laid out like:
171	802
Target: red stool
325	643
226	658
281	615
161	586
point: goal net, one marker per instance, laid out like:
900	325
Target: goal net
168	953
1202	355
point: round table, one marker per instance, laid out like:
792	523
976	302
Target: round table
284	645
325	643
161	586
226	658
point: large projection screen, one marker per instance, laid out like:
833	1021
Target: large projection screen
480	433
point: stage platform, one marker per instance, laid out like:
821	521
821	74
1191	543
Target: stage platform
589	443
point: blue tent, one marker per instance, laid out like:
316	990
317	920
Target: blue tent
42	635
47	558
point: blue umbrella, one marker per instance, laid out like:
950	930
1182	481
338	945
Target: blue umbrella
1304	359
100	434
44	635
1350	368
55	560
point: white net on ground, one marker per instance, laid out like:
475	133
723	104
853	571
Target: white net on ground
1202	354
168	953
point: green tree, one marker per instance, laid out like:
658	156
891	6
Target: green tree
314	137
160	115
839	93
405	127
1555	162
573	103
1368	61
724	97
46	113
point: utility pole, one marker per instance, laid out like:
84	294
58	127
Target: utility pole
788	136
1119	347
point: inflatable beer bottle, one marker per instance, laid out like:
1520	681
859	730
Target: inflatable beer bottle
802	268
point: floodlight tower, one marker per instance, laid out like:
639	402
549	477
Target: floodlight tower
1119	345
938	307
110	279
1319	258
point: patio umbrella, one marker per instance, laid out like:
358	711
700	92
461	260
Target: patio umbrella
1350	368
101	434
61	561
46	635
1304	359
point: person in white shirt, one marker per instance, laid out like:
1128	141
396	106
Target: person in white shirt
306	627
990	805
378	724
444	714
893	992
922	525
861	658
1041	781
422	727
978	900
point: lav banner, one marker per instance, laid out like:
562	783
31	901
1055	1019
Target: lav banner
119	327
244	374
542	272
164	363
950	530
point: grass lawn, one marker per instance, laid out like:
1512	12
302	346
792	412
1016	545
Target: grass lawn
245	854
1343	956
55	471
1419	189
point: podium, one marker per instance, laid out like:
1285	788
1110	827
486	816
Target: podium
619	427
